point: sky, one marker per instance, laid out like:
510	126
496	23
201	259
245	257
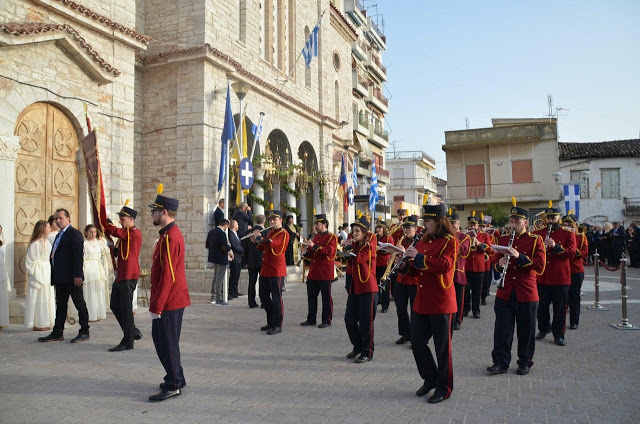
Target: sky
451	60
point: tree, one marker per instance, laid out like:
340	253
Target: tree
499	215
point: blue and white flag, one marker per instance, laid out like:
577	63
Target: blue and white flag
572	198
256	130
228	133
354	176
373	195
310	49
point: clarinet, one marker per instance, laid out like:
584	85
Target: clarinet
401	264
503	274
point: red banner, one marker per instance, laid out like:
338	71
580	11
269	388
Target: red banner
94	180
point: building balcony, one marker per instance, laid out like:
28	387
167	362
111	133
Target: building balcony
375	65
379	136
421	184
416	155
376	98
360	50
359	81
495	193
383	175
360	123
356	11
376	34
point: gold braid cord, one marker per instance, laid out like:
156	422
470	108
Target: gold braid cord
124	258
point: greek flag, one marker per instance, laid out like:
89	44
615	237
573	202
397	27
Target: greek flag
228	133
310	49
373	195
256	130
572	198
354	176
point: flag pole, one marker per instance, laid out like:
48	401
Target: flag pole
225	284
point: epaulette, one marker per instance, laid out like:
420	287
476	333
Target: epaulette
534	235
567	229
448	236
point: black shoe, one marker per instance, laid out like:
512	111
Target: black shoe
384	310
274	330
496	369
541	335
403	340
80	338
559	341
573	326
483	302
465	313
265	327
239	294
253	305
120	348
162	386
138	335
307	323
436	398
362	358
165	394
476	315
352	354
324	325
50	338
523	370
456	326
426	388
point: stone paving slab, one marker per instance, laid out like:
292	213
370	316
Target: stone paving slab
237	374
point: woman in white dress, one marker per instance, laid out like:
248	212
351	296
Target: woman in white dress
38	313
95	276
5	286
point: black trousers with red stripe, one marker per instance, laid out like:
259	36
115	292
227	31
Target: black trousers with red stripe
486	284
270	291
510	314
473	291
358	317
558	296
165	332
384	294
460	292
438	326
574	297
315	287
404	295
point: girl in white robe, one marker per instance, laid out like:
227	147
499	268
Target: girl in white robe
5	286
38	313
95	276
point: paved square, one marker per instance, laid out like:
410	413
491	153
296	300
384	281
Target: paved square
235	373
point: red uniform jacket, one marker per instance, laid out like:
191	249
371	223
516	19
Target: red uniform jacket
464	243
273	260
363	269
169	289
396	232
322	256
477	260
436	263
382	257
128	264
411	277
558	269
522	272
582	251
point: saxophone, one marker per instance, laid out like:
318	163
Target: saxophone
392	260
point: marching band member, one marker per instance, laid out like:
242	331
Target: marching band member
321	251
273	271
517	301
407	284
169	295
382	261
485	226
396	229
576	265
434	258
459	278
554	282
475	267
362	289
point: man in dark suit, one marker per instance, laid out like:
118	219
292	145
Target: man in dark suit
254	260
67	257
617	243
218	214
242	215
219	248
236	263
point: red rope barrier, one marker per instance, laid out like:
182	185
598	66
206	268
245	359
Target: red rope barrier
602	264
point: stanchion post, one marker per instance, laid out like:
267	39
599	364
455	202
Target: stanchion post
596	272
624	323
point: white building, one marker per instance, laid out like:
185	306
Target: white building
610	191
411	178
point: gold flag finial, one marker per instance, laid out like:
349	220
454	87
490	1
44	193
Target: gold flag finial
513	201
126	202
160	188
550	204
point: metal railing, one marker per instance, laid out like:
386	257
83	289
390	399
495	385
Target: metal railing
410	154
488	191
379	131
377	93
378	31
375	59
362	120
421	183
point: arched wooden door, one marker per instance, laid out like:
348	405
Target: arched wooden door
46	175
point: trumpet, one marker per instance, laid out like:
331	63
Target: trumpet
252	232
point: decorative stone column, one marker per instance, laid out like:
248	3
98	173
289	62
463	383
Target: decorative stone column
258	190
9	146
275	193
290	198
317	204
303	212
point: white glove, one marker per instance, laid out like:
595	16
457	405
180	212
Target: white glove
154	316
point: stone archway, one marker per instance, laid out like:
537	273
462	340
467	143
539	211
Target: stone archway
309	190
277	157
46	175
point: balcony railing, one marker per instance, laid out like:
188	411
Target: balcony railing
421	183
494	191
362	119
378	31
378	95
378	62
381	132
410	154
361	7
362	45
